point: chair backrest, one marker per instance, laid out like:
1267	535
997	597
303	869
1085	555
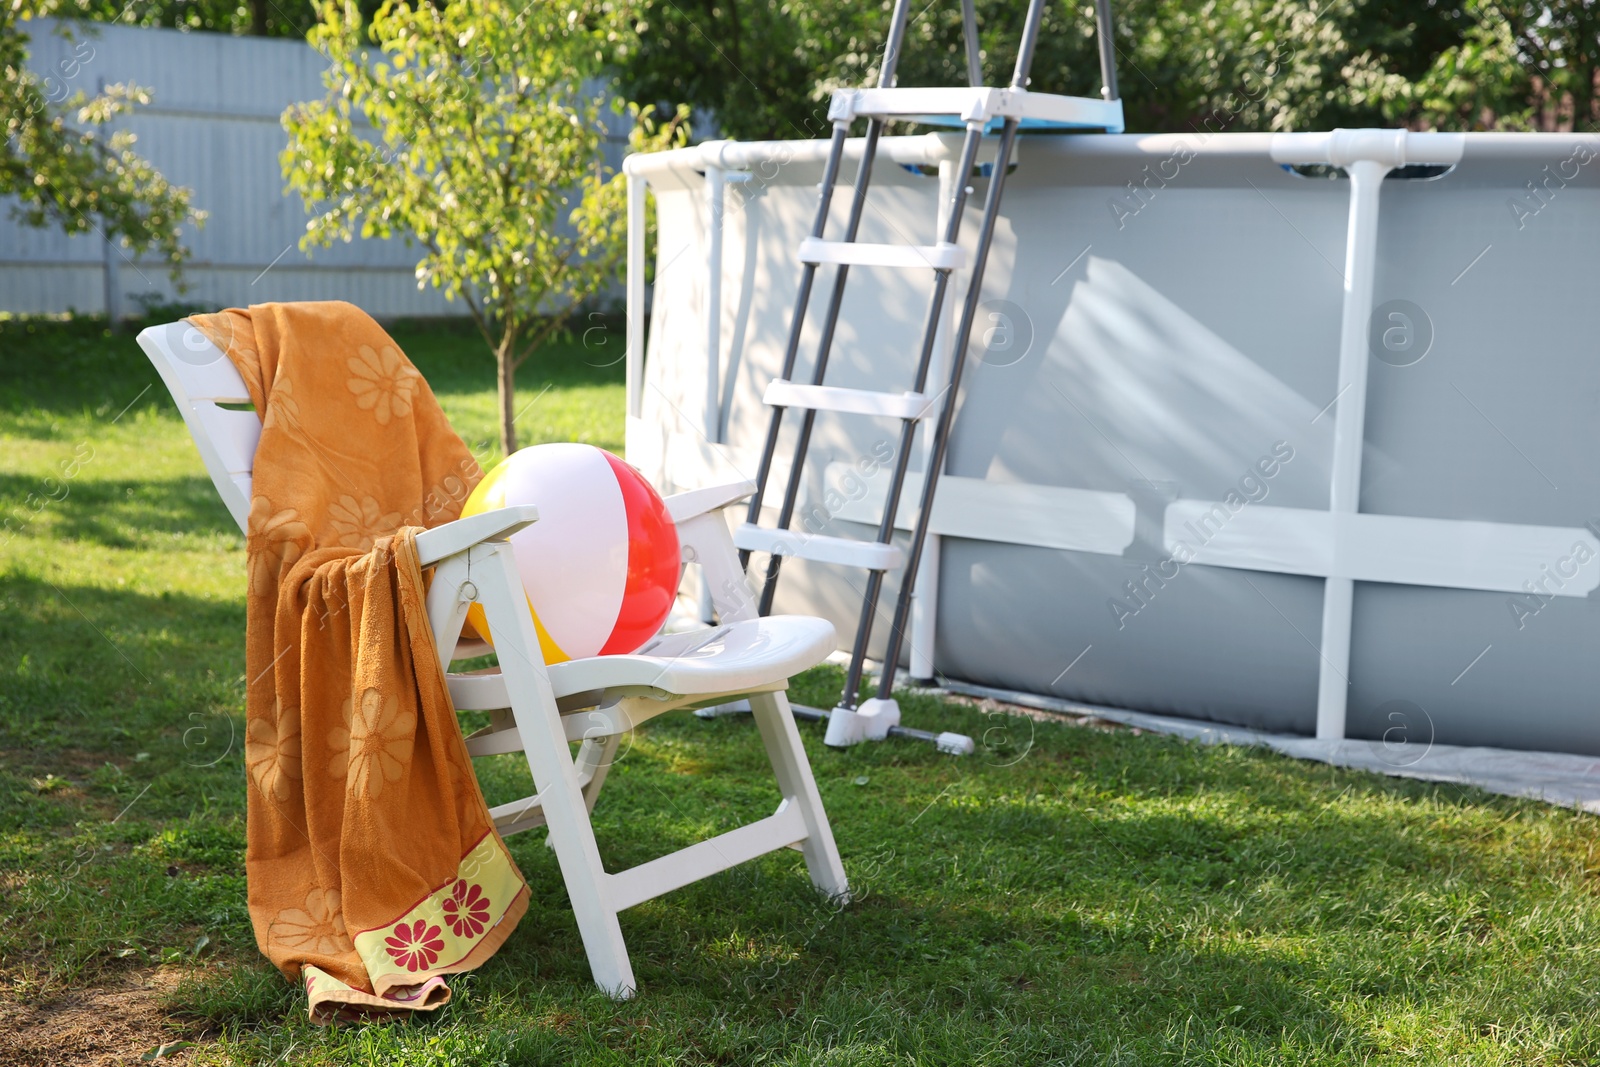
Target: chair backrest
201	379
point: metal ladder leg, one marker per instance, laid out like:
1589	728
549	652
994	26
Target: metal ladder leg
858	203
930	333
808	276
1108	49
969	313
791	489
969	33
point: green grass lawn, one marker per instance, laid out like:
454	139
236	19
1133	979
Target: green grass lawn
1067	895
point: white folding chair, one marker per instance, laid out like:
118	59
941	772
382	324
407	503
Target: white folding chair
539	709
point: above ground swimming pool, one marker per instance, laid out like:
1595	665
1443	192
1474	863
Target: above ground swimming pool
1211	458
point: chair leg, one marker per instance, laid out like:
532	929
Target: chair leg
544	742
579	857
595	757
788	755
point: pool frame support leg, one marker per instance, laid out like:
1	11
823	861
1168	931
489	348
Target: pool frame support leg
1349	433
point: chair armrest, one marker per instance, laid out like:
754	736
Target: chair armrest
706	541
685	506
453	537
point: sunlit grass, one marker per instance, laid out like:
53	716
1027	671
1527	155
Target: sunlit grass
1067	895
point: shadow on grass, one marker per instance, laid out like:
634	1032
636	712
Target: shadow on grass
127	512
116	671
70	369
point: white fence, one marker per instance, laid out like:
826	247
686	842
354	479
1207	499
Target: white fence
213	125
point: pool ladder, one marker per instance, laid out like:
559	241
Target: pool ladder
977	109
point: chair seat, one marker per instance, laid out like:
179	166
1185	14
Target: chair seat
725	659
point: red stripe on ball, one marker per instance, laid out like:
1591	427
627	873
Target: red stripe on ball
653	562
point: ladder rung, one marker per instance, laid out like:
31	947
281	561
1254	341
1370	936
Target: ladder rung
936	257
869	555
782	394
979	104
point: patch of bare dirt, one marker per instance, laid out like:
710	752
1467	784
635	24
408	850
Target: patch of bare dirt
98	1027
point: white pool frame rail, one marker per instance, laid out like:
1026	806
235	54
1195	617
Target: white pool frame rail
1366	156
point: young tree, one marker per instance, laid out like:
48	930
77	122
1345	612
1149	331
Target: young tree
488	154
60	163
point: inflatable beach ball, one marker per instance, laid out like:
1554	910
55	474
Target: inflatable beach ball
601	565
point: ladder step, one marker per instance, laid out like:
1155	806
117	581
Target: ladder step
979	104
936	257
782	394
868	555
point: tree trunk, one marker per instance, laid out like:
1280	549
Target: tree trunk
504	358
258	17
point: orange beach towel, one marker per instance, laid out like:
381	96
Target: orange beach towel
374	869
